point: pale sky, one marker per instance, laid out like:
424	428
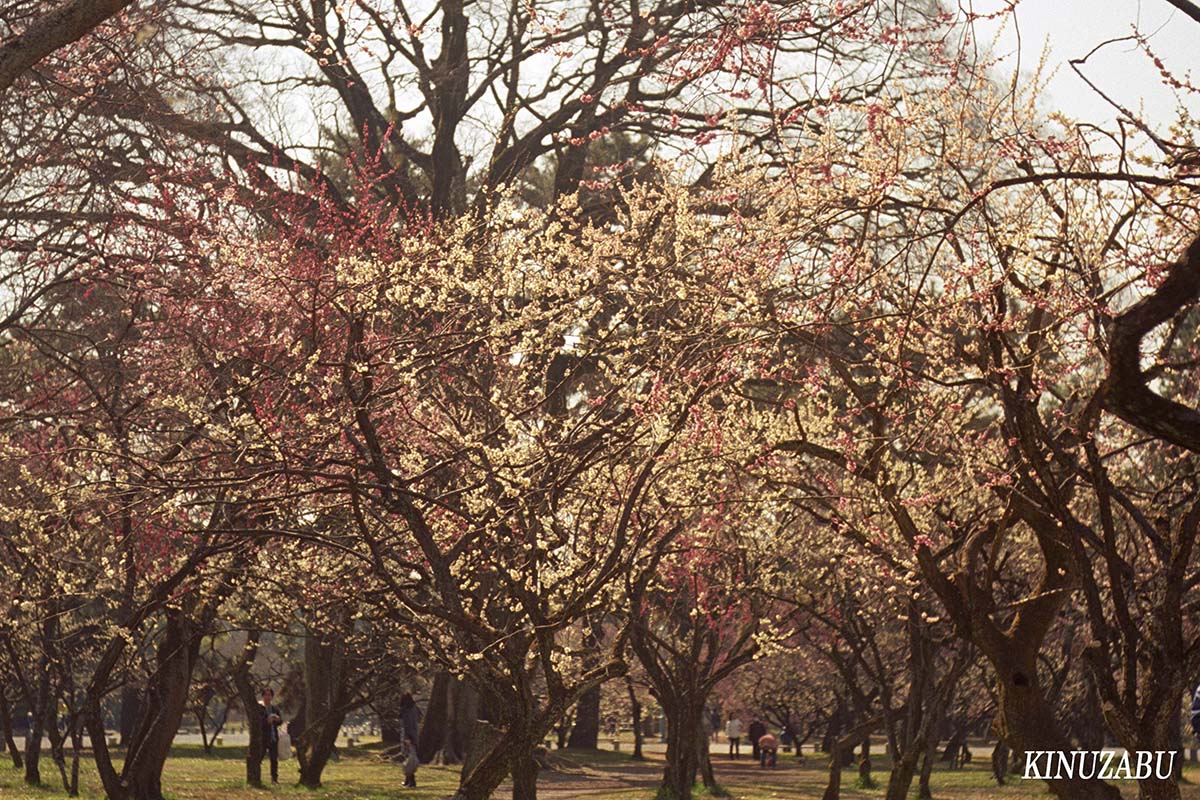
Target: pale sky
1072	28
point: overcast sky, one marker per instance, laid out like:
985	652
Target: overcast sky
1072	28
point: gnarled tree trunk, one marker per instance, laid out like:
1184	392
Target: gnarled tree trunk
39	707
685	736
131	707
924	790
1000	761
491	757
838	749
1027	722
903	770
453	708
865	780
524	775
325	704
635	707
246	694
585	733
163	707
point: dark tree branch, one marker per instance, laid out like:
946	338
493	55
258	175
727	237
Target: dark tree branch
1127	394
68	23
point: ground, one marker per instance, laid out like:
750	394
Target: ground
361	775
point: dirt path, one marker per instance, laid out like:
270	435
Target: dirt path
567	781
570	781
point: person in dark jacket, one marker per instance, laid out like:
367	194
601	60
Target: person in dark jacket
410	717
270	721
756	731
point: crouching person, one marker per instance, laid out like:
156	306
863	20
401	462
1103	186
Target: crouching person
767	747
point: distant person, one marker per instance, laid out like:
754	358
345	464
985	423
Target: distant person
714	722
756	731
733	732
410	717
411	762
767	746
271	720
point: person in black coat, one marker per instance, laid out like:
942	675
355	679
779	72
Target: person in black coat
410	717
756	731
270	719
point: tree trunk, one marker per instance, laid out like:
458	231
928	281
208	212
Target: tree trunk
312	769
488	761
131	706
58	751
636	708
924	791
93	719
325	705
839	747
1027	721
1000	761
903	770
1158	790
833	729
163	708
704	760
954	747
436	722
245	689
204	741
865	781
1175	736
76	749
524	776
1155	788
453	708
833	787
585	733
685	730
1151	723
7	727
37	720
465	706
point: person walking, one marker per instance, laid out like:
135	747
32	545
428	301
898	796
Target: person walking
733	732
756	731
270	720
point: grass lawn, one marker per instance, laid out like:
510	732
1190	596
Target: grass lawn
191	775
